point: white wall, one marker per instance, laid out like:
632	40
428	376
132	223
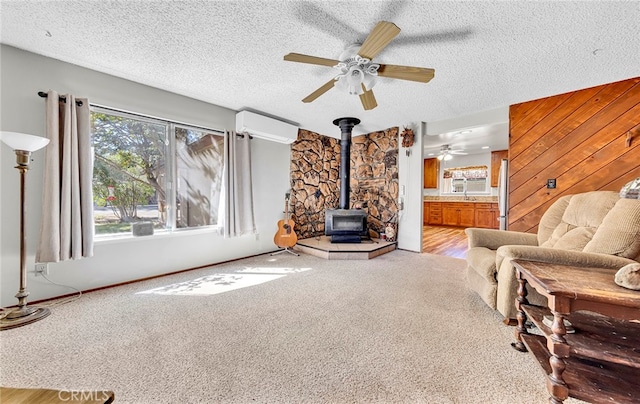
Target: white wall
481	118
22	75
410	180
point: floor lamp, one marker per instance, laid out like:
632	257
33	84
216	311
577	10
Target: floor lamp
23	145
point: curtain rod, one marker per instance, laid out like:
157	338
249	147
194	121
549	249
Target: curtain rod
79	103
61	98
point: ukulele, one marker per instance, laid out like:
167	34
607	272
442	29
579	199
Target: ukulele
285	236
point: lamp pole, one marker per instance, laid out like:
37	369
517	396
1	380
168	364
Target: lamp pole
22	314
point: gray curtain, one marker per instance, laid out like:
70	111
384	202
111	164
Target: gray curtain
237	196
66	230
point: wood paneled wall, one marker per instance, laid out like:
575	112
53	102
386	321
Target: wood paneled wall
580	138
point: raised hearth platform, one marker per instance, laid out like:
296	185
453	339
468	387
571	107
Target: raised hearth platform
323	247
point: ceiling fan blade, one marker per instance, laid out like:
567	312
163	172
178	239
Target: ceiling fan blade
421	74
322	19
368	99
378	39
314	60
326	87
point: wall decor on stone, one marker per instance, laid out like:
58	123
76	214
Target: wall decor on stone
315	180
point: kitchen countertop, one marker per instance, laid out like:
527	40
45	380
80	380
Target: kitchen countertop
471	199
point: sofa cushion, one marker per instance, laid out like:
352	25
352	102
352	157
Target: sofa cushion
582	216
575	239
551	218
619	233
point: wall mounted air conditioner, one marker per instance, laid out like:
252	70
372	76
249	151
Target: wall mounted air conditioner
265	128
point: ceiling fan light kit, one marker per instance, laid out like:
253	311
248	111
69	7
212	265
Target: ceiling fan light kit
358	73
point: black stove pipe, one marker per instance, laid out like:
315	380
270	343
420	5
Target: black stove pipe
346	125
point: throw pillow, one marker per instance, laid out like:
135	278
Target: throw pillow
619	233
628	276
631	189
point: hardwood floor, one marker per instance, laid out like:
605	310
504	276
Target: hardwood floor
443	240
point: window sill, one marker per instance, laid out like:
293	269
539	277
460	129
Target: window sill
128	237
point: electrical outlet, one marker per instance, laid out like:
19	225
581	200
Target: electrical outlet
42	268
551	183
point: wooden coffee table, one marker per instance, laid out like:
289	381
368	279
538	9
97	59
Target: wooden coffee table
600	361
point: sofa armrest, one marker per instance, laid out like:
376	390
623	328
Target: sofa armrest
562	257
492	239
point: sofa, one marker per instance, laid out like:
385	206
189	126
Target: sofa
592	229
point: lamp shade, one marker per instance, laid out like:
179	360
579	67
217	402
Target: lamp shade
22	141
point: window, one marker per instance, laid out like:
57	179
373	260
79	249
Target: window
463	180
136	162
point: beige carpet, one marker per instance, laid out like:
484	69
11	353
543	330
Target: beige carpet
401	328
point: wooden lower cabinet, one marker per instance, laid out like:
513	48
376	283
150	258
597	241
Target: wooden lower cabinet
435	213
486	215
449	216
425	213
467	217
458	214
461	214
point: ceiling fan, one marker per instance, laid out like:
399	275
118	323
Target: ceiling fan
357	72
447	153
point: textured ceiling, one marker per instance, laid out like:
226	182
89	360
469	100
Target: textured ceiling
486	54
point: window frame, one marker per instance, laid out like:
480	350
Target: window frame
447	183
170	158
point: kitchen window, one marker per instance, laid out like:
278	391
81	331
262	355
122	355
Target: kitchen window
465	180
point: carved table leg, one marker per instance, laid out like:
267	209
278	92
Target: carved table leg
520	315
559	349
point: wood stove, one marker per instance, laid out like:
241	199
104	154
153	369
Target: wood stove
345	225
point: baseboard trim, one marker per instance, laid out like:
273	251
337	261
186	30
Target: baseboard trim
135	280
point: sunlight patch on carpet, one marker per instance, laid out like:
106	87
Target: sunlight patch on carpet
213	284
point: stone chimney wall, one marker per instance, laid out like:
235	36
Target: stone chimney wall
315	179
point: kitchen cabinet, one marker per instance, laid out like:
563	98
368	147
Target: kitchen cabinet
458	214
486	215
461	214
496	158
435	213
425	213
431	171
450	216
